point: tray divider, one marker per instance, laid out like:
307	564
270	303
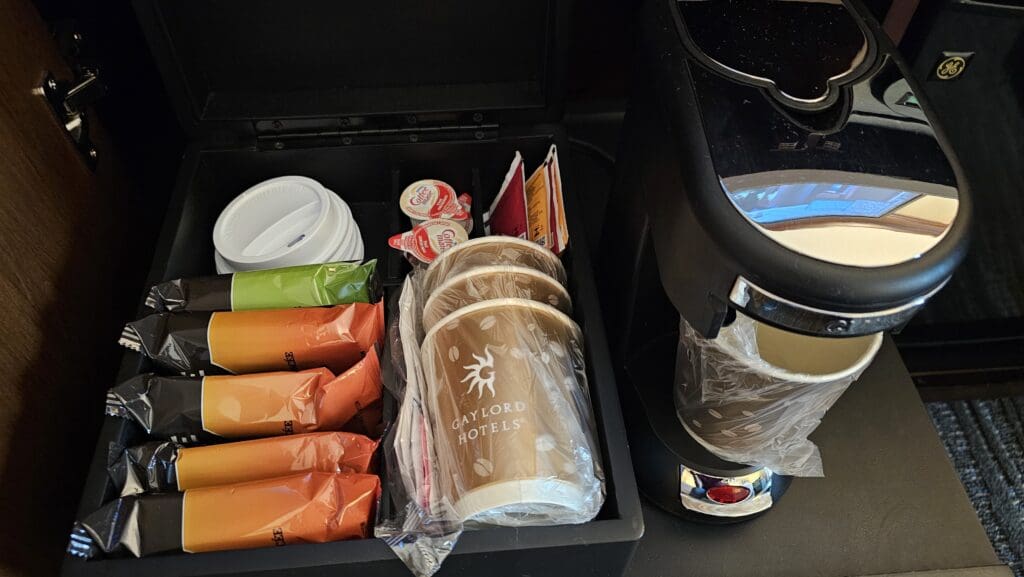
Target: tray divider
479	201
394	260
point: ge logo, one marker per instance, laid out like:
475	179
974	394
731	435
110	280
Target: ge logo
950	68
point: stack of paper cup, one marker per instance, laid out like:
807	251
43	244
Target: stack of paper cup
489	251
514	441
505	389
286	221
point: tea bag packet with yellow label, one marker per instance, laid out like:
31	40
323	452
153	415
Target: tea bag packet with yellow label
506	394
307	508
258	341
165	466
191	410
559	223
312	285
546	205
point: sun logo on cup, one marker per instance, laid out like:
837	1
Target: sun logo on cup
481	374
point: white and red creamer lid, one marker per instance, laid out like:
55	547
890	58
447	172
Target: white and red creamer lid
430	238
429	199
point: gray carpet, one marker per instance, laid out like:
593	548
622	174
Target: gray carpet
985	441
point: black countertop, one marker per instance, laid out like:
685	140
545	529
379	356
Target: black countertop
890	503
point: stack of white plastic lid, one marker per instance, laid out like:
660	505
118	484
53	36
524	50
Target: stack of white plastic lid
286	221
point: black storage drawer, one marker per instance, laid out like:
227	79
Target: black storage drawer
370	178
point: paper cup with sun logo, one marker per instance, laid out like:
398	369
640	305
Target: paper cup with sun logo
489	251
492	282
513	430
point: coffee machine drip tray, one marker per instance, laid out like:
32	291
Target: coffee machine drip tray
674	470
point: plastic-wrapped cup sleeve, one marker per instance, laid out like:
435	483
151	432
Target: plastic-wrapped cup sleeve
735	398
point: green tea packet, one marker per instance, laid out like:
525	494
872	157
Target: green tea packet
312	285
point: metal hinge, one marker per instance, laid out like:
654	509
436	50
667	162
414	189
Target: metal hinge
68	100
351	131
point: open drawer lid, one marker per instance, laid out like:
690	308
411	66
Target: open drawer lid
230	64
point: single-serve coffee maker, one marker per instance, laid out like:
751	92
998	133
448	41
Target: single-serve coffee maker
783	198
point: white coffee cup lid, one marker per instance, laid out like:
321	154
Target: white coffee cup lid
285	221
344	253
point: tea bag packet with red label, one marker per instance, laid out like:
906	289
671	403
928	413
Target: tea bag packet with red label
429	239
306	508
507	215
257	341
166	466
191	410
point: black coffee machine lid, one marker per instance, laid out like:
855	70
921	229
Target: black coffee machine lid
829	191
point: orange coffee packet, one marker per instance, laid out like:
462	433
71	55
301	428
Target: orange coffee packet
306	508
188	410
238	342
162	466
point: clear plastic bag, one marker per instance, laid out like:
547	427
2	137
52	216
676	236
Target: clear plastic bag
754	394
420	530
495	426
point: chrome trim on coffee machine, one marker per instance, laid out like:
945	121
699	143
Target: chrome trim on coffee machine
782	312
694	487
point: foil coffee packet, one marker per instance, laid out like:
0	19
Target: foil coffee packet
312	285
216	407
305	508
199	343
166	466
